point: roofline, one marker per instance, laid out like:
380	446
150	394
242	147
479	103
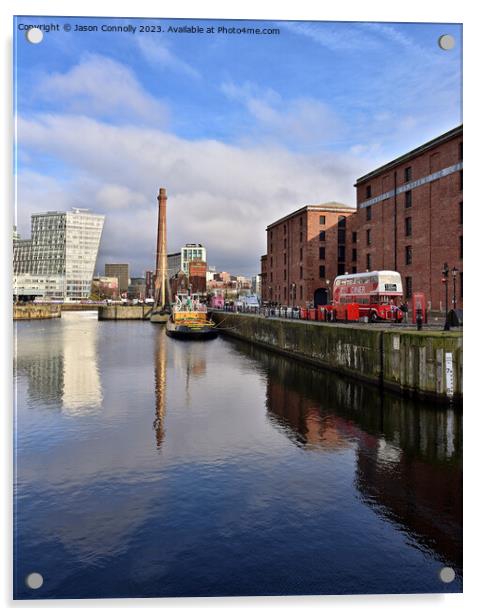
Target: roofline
326	207
458	130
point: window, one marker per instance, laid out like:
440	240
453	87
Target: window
285	242
369	212
353	254
301	272
408	174
284	292
341	253
341	235
322	271
342	221
322	252
408	227
408	255
461	247
408	199
301	236
301	254
341	269
408	286
322	236
284	258
461	213
271	261
284	274
301	291
353	270
369	261
284	229
353	237
368	191
322	220
301	221
369	237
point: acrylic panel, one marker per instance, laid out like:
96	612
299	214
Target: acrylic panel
238	304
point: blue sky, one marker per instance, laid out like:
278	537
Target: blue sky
240	129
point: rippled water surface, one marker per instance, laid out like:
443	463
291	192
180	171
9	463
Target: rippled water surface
152	467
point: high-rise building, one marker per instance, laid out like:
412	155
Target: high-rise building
192	252
173	264
59	259
121	272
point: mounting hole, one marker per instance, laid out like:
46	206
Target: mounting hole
34	35
446	42
447	575
34	581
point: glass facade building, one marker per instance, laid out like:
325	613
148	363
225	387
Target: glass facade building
62	250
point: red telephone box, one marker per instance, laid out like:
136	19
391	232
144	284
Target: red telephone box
419	303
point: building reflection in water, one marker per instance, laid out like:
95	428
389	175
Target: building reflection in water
61	363
408	454
82	392
160	370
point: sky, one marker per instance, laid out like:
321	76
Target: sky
240	128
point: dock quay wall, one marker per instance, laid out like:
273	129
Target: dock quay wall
415	363
33	311
118	312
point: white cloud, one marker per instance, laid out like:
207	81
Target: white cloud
102	87
301	121
220	195
160	56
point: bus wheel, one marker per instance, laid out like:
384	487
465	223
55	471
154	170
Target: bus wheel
373	317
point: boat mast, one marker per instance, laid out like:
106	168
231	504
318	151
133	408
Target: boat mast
161	255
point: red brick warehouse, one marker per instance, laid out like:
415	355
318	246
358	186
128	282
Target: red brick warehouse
409	218
306	251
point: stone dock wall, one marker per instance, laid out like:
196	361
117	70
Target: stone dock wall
34	311
421	363
117	312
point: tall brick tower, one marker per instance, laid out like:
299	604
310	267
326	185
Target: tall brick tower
161	252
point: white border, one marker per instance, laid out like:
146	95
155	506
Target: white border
349	10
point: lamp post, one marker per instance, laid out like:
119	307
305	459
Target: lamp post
293	287
445	274
327	291
454	279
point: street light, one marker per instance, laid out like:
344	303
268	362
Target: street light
327	291
293	287
454	278
445	274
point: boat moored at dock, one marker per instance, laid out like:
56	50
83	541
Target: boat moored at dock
189	321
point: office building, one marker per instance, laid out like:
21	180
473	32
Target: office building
119	271
59	259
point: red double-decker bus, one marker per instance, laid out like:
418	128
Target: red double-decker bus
377	294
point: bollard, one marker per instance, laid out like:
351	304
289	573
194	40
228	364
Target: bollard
419	319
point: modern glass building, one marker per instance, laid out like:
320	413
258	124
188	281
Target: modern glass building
192	252
60	256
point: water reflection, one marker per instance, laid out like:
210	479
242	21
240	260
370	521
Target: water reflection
408	456
61	363
214	470
160	370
